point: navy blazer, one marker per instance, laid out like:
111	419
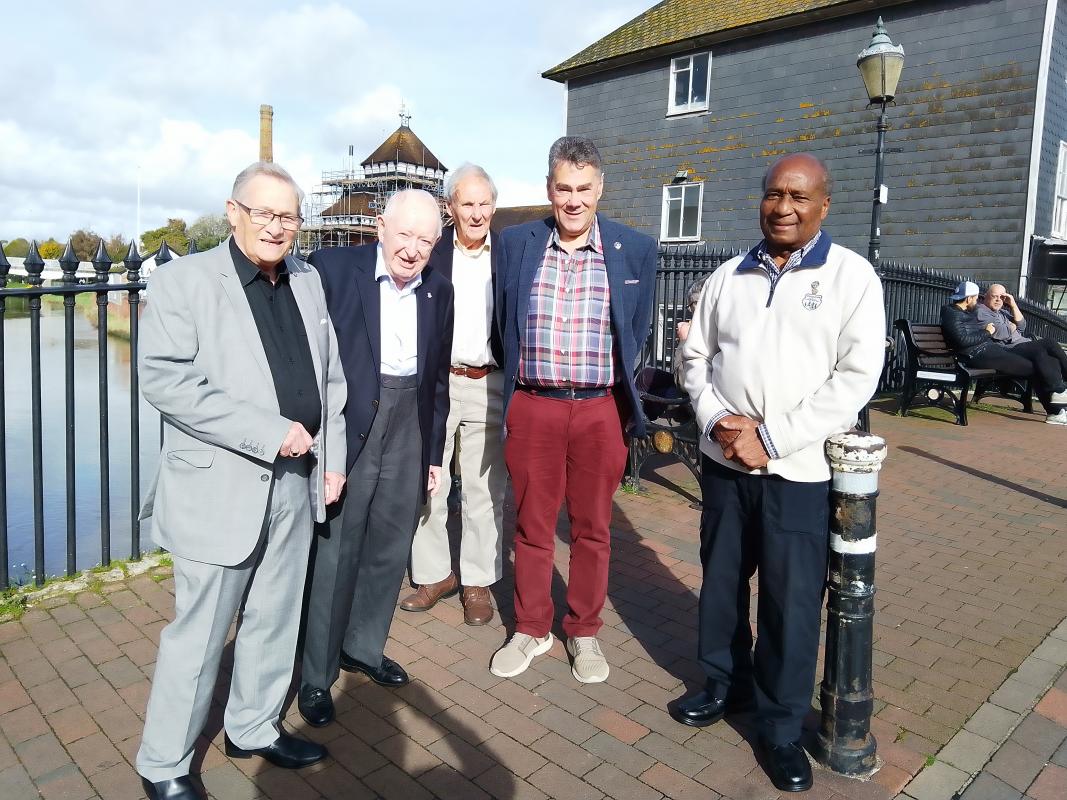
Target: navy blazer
354	301
441	261
630	258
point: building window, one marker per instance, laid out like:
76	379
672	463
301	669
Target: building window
681	212
690	83
1059	208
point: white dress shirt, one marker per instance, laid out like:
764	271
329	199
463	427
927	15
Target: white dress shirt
472	279
399	322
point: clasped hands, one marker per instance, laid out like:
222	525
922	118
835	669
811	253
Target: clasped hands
298	442
740	442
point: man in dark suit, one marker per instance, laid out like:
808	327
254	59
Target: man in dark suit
575	299
394	333
467	254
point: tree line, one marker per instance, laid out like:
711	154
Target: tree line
207	231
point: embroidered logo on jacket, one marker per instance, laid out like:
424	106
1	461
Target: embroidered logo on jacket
813	299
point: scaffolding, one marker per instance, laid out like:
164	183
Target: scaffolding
342	209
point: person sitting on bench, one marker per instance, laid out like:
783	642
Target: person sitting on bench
973	343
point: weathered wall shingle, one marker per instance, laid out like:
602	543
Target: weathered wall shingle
957	189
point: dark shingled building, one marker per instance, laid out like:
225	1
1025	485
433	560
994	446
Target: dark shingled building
692	100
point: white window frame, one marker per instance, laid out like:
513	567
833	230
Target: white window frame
663	233
1059	204
684	65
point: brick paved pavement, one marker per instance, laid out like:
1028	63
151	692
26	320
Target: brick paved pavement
972	567
1032	763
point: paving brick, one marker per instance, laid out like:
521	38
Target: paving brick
616	783
15	784
94	754
987	787
967	751
576	760
71	724
1039	735
1050	784
673	784
1015	765
516	757
41	755
557	782
518	726
1054	706
625	757
65	783
12	695
501	783
672	754
565	724
992	722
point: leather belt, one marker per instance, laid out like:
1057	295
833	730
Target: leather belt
566	393
472	372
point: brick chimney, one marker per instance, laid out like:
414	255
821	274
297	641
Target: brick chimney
266	133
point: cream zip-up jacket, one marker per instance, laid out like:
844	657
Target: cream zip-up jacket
801	359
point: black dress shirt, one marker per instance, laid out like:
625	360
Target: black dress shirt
285	341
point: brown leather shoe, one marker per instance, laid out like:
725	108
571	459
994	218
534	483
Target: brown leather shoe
477	606
427	595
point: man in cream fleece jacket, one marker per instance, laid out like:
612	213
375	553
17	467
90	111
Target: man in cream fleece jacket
785	348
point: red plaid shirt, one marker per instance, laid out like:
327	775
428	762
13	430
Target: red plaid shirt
568	340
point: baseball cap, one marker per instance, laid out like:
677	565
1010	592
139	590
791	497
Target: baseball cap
965	289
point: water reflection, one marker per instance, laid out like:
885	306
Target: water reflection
15	362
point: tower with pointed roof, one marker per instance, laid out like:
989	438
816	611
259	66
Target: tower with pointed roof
342	210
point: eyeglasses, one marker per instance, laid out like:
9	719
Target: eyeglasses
263	218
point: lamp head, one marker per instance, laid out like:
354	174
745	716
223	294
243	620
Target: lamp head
880	64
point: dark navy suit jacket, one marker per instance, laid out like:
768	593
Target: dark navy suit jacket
441	261
354	303
630	258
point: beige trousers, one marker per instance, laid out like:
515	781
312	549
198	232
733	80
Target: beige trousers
474	423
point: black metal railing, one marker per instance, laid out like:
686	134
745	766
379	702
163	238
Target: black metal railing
32	295
914	293
911	292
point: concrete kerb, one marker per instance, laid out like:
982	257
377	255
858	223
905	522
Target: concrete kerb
961	760
28	596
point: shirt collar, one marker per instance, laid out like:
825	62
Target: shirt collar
484	248
248	272
813	254
381	272
593	243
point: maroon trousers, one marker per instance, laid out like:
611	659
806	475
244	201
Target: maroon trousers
556	450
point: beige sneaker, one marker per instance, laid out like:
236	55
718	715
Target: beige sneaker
589	665
1059	418
515	656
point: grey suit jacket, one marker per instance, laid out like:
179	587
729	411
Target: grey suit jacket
202	365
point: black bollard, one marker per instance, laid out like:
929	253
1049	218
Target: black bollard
844	742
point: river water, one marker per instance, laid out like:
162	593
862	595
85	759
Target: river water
16	366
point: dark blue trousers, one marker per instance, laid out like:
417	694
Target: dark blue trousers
778	530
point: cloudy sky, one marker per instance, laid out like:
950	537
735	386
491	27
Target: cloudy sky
97	93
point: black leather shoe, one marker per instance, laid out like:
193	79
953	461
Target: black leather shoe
787	766
286	752
315	706
389	674
175	789
704	708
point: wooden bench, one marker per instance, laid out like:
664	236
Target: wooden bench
933	370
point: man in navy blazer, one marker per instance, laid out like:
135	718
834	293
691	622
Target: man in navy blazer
575	299
394	333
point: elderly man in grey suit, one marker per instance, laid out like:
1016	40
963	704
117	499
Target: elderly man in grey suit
239	356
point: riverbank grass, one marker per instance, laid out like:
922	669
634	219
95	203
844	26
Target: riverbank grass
16	600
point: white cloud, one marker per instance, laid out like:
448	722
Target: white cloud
126	84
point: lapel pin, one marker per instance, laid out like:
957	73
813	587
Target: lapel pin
618	245
429	295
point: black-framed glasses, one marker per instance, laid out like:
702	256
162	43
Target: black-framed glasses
263	218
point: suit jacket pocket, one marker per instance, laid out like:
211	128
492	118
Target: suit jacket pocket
202	459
